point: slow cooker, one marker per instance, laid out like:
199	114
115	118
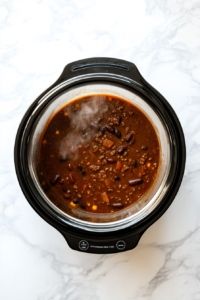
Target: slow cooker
90	232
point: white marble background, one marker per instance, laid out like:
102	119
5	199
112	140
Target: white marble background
37	39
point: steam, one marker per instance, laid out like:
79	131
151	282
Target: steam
80	132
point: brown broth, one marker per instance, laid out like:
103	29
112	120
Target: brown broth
99	154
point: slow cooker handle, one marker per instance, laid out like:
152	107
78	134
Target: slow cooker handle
101	65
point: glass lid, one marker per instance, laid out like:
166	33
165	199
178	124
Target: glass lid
133	213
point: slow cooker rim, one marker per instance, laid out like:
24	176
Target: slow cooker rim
28	113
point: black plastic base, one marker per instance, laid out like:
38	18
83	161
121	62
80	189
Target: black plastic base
103	246
129	78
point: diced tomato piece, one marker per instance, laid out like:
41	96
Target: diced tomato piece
108	182
145	186
84	187
119	166
108	143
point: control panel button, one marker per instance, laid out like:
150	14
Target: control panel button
120	245
83	245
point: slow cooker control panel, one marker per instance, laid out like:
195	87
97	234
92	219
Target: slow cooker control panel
107	246
84	245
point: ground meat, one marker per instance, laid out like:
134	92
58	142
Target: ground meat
94	168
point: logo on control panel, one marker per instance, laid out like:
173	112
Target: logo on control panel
120	245
83	245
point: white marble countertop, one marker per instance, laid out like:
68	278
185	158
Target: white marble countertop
38	38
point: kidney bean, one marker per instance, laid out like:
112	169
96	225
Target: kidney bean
64	190
83	172
144	148
131	169
110	128
75	201
119	119
132	142
80	167
117	133
135	181
71	178
67	196
95	126
55	179
83	206
116	178
129	137
70	167
117	205
134	163
102	129
121	149
111	160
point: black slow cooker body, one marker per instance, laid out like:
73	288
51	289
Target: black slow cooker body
130	79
